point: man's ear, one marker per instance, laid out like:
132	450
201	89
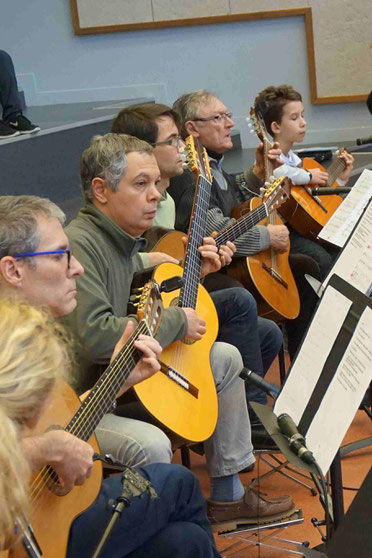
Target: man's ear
99	190
11	271
191	128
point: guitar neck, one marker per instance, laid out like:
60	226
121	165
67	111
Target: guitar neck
334	170
242	225
268	167
103	394
192	264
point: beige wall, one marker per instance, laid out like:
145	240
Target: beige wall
342	30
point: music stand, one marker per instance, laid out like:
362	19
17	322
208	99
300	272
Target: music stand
321	408
354	536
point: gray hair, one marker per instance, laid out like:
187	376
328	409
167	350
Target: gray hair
19	232
188	105
106	158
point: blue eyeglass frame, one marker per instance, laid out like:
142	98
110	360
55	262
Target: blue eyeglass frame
67	251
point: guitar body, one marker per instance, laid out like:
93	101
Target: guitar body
191	416
301	210
51	515
171	244
274	299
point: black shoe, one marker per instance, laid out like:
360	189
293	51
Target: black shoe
23	125
261	440
7	131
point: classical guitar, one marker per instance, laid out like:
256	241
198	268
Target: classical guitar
308	214
267	274
52	509
170	241
185	399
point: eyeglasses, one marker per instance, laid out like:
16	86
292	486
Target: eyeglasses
216	118
174	142
67	251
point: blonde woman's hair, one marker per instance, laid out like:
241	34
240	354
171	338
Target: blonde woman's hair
33	355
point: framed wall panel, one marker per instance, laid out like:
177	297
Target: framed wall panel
338	33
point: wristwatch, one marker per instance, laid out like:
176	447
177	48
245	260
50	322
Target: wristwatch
310	176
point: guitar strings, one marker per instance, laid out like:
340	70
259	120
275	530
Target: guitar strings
47	473
334	170
272	215
102	388
240	226
192	264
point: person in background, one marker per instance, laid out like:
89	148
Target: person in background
285	121
13	122
206	117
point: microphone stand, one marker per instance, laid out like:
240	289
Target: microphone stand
332	518
133	485
122	502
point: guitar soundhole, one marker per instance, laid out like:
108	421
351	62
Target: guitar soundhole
174	302
188	341
49	475
52	482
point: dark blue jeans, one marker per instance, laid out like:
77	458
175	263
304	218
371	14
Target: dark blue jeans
257	339
174	525
9	99
323	255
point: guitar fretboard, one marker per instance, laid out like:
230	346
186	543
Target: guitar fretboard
235	230
103	394
192	265
334	170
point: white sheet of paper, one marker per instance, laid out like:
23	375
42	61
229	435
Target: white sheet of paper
342	222
314	351
346	390
343	397
354	265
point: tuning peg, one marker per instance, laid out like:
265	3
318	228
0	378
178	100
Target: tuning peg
137	290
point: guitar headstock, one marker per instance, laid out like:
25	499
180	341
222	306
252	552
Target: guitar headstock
150	306
277	193
198	159
259	126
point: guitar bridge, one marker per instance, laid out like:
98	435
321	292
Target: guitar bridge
180	379
275	275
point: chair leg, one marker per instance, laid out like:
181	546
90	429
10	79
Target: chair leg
281	365
185	457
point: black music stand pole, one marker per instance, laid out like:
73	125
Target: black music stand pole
337	494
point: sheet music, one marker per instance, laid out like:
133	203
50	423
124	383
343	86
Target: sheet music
342	222
355	263
314	351
343	396
345	392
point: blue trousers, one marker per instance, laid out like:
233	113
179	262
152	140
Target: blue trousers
323	255
174	525
9	99
257	339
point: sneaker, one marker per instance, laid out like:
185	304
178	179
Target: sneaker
23	125
6	131
252	509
